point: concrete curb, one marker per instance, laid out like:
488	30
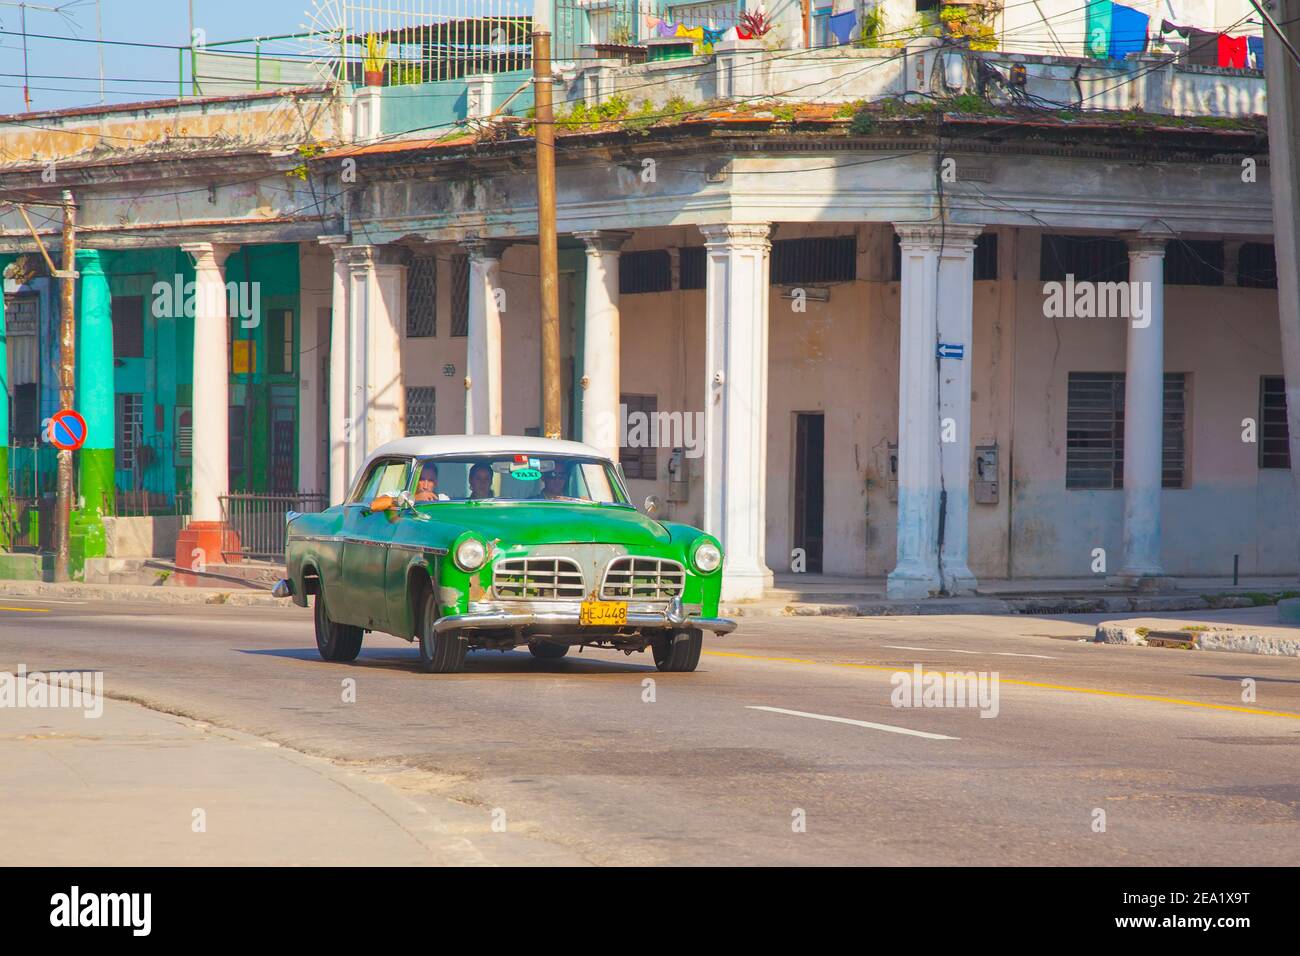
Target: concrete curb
241	597
1240	640
1102	604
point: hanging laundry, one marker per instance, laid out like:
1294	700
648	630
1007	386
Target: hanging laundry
1256	46
1096	41
1231	52
666	29
1202	45
711	37
694	33
841	26
742	33
651	23
1128	31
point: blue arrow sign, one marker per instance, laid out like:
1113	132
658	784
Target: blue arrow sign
950	350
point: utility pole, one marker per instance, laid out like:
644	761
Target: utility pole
547	250
1282	74
67	381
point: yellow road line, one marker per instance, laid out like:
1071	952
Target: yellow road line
34	610
1024	683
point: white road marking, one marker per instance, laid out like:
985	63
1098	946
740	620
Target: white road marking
957	650
856	723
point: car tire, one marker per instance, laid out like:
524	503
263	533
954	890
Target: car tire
337	643
547	650
439	653
677	651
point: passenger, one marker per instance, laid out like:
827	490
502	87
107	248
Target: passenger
480	481
426	489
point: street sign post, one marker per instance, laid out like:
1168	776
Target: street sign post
67	430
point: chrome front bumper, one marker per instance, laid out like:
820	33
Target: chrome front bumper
509	614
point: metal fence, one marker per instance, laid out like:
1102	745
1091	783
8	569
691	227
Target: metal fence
149	481
632	22
422	41
258	521
27	513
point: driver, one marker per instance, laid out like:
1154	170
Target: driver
480	481
555	482
426	489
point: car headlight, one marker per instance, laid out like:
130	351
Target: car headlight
471	554
707	557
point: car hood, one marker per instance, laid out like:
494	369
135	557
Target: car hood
550	522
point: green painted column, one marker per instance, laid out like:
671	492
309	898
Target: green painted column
95	400
4	413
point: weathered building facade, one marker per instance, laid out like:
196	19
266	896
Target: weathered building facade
921	314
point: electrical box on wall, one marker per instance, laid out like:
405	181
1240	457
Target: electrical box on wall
893	470
986	474
679	482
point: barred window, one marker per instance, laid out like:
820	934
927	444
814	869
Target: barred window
1257	266
420	410
127	316
460	295
827	259
694	267
1274	432
1194	262
1090	258
130	430
646	271
422	298
1094	431
639	462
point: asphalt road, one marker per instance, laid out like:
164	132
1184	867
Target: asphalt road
582	760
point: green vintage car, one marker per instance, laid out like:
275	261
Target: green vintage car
476	541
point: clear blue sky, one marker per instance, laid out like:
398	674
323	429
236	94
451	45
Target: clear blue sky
130	73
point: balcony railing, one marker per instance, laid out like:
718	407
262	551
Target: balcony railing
630	23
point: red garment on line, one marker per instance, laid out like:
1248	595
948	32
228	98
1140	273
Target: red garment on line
743	34
1232	51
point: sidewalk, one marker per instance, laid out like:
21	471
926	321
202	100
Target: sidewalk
123	789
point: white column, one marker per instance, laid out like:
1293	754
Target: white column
735	427
916	572
1144	393
376	399
211	410
483	344
600	342
956	326
337	430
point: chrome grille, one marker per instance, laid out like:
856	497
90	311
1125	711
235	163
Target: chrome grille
537	579
646	579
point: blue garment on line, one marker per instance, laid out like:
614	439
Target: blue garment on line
1256	46
841	25
1128	31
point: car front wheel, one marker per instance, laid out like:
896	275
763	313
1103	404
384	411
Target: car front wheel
439	653
678	650
338	643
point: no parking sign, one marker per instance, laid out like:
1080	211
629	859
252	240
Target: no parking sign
67	430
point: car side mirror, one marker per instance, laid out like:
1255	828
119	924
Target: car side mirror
653	505
404	502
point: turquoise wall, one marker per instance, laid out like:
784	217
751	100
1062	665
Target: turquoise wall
438	107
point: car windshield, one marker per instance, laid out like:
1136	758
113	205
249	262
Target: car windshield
517	477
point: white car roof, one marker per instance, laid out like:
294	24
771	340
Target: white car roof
421	445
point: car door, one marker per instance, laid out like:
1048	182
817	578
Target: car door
366	537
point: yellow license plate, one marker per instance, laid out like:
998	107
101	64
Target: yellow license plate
603	613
